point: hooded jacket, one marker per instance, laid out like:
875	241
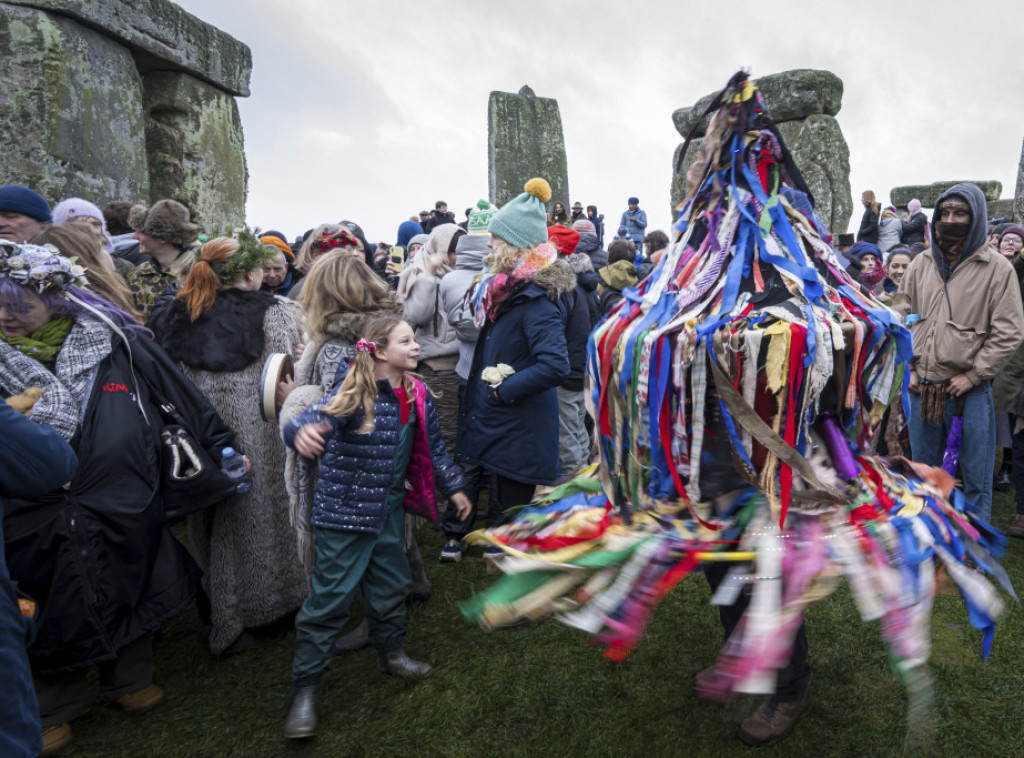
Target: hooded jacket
589	245
439	343
471	252
597	219
406	231
513	431
913	229
971	317
615	278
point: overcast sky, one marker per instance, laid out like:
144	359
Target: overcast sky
372	110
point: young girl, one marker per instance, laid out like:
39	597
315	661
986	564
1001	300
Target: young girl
377	431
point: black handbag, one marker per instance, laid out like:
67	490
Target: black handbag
189	479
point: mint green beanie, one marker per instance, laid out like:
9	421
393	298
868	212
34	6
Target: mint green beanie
523	222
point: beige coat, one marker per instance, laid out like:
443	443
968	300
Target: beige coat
972	325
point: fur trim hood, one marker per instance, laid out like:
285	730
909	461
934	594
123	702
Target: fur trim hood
349	327
556	279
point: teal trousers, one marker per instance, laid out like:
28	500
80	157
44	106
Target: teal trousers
344	562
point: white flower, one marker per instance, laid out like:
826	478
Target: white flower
77	271
505	370
492	375
16	262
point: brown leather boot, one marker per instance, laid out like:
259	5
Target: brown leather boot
1017	526
773	720
56	737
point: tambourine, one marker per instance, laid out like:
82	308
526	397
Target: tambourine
277	367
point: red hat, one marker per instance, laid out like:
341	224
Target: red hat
563	238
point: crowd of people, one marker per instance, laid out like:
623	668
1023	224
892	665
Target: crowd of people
448	364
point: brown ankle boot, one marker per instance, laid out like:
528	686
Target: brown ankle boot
773	720
1017	526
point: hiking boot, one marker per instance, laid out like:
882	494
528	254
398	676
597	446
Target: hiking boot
398	663
773	720
56	738
357	639
1017	526
300	723
142	700
451	552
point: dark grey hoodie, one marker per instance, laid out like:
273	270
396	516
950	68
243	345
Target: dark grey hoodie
975	237
471	252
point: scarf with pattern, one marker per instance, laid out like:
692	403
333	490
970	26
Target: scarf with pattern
486	297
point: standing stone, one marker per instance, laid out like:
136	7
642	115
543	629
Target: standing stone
1018	195
70	110
524	140
194	141
823	157
123	100
929	194
803	103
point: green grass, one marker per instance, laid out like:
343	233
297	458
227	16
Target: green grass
542	691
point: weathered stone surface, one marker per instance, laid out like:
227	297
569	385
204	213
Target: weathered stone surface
819	151
929	194
194	141
164	35
1002	208
1018	195
524	140
823	157
70	110
788	96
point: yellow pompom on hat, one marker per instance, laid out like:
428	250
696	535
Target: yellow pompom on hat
523	222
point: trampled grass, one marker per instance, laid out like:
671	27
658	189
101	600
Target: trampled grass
542	691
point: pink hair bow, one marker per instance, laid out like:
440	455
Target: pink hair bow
365	346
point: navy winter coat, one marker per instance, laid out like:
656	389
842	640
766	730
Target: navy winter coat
576	305
913	229
356	472
589	245
513	432
34	460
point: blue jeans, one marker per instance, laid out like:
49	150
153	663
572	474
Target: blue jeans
977	451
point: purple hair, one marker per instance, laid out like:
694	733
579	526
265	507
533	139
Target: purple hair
13	294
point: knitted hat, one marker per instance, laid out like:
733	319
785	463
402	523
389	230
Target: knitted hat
419	239
76	207
167	220
17	199
481	216
633	201
623	232
523	221
563	238
585	227
863	248
280	244
1012	229
913	206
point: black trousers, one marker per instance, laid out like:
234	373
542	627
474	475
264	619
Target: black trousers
794	677
64	698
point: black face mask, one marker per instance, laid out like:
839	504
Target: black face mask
950	237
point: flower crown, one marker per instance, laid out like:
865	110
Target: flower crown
340	238
40	267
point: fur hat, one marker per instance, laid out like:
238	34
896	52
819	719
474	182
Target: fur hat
167	220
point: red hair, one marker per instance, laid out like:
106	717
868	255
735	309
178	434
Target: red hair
201	284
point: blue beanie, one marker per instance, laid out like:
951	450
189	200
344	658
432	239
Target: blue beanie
633	201
17	199
523	222
863	248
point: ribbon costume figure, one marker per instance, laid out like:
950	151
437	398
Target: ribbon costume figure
738	393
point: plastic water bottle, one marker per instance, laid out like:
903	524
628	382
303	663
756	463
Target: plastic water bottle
234	466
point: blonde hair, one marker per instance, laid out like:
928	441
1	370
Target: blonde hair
200	289
310	249
340	283
104	279
504	257
359	389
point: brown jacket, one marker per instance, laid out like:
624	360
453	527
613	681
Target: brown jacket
972	325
